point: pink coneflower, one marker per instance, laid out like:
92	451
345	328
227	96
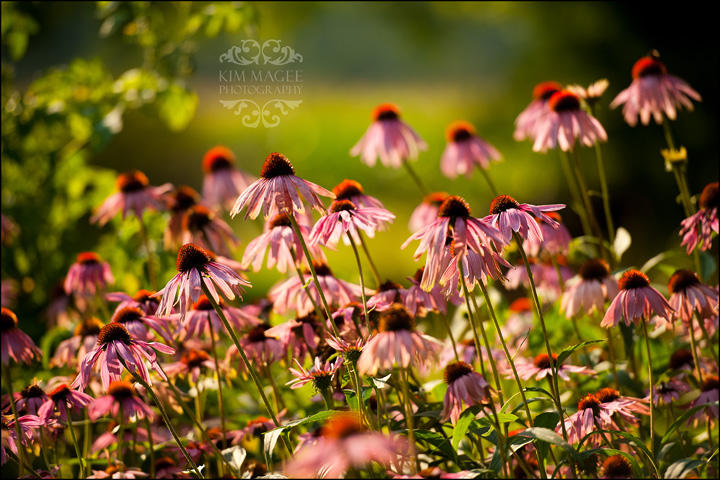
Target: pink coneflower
135	195
354	192
223	182
138	323
526	122
637	300
258	347
566	123
344	217
389	138
616	467
668	392
625	407
165	467
350	351
397	343
584	421
29	399
118	471
540	368
386	294
116	343
427	211
709	393
9	438
202	227
465	150
350	320
76	347
320	375
16	344
283	243
477	267
556	239
464	385
682	363
292	293
593	287
196	321
418	302
143	299
345	444
688	296
191	364
179	201
698	228
509	216
121	395
197	265
653	92
63	398
88	275
297	335
279	191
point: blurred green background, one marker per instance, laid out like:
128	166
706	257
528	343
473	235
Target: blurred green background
439	61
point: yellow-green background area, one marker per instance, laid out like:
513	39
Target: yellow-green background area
439	62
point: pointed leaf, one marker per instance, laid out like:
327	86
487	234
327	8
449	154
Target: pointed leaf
461	427
623	240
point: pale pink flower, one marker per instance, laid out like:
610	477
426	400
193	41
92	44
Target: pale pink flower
63	399
418	302
16	344
709	393
9	438
624	407
165	467
586	420
298	335
354	192
689	296
477	267
509	216
427	211
279	191
397	343
556	239
139	324
258	347
389	138
464	386
465	150
135	195
565	124
197	267
349	350
88	275
653	92
114	471
179	201
320	375
540	368
590	290
121	395
222	182
143	299
197	320
526	122
386	294
344	217
636	301
202	227
191	364
76	347
115	344
29	399
697	228
668	392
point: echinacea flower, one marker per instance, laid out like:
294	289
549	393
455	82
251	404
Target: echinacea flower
320	375
196	267
587	418
222	182
179	201
427	211
636	301
668	392
63	399
477	267
88	275
298	335
397	343
16	344
279	191
9	438
121	395
540	368
418	302
556	239
697	228
594	286
115	344
354	192
616	467
709	393
653	92
389	138
625	407
345	217
526	123
688	296
118	471
165	467
197	320
259	347
139	324
565	124
465	150
76	347
386	294
508	216
29	399
464	386
135	195
350	351
191	364
201	226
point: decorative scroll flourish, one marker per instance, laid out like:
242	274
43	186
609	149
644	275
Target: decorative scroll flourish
269	113
250	51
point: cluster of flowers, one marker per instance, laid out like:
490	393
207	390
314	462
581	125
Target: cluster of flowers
351	335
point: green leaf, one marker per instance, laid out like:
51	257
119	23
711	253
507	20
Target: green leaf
461	427
681	468
489	421
437	441
687	414
569	350
636	441
707	265
351	397
639	473
270	438
623	240
549	436
177	106
546	420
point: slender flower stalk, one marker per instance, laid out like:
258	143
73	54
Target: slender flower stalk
150	256
221	403
84	466
373	268
652	387
7	380
577	205
588	206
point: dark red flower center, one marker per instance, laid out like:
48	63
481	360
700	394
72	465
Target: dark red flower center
386	111
681	280
342	206
32	391
347	189
594	269
710	383
607	395
8	320
88	258
164	462
322	380
112	469
454	207
197	218
342	425
709	196
564	101
218	158
396	318
128	314
589	401
456	370
545	90
388	285
203	303
257	334
183	198
114	331
194	358
543	360
89	326
419	274
60	393
280	220
191	256
666	388
436	198
648	66
144	296
121	389
132	181
681	358
276	165
502	203
459	131
616	466
633	279
321	269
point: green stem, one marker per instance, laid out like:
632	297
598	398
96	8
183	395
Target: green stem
43	449
605	194
151	447
327	398
574	192
488	180
87	436
21	449
318	310
362	281
150	256
221	403
11	456
611	351
81	461
652	393
677	430
588	206
120	438
373	268
450	334
279	404
415	178
409	420
694	349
